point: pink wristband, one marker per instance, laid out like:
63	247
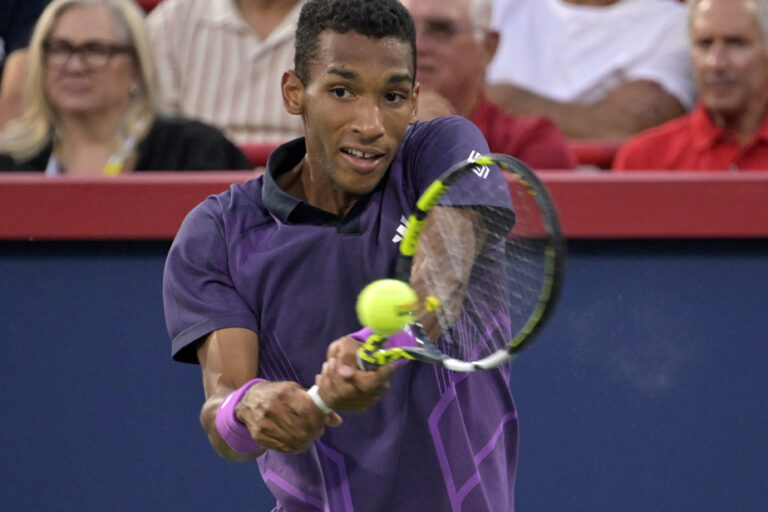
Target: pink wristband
235	433
403	338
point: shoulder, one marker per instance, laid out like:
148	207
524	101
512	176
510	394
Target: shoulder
674	128
441	143
647	149
491	118
176	126
36	163
168	9
172	19
176	143
226	214
442	130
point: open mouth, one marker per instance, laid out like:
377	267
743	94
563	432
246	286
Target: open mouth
360	154
360	160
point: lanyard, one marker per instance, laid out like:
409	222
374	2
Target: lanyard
113	167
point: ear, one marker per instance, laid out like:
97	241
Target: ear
414	103
293	93
490	45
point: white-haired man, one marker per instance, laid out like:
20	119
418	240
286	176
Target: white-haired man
455	44
728	130
601	69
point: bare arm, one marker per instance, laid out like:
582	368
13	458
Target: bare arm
628	109
12	86
280	415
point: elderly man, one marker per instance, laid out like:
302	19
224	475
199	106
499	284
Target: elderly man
455	45
220	61
728	130
601	69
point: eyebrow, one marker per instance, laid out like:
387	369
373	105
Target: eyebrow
351	75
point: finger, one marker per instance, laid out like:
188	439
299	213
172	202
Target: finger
333	419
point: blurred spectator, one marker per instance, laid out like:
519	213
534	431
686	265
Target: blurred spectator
728	130
455	44
89	101
16	23
601	69
220	61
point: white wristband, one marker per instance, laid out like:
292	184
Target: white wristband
318	401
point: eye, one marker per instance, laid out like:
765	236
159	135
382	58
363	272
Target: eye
395	97
340	92
96	49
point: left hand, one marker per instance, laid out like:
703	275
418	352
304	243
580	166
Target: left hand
343	386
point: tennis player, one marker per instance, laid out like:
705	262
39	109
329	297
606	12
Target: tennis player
261	281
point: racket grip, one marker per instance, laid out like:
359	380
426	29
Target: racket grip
366	355
315	396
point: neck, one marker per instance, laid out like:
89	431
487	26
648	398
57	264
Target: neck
264	15
316	189
743	126
90	130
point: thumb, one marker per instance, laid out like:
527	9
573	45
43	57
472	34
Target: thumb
333	419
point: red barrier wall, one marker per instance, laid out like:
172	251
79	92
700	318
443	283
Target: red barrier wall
151	206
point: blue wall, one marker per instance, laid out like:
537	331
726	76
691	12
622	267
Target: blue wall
647	390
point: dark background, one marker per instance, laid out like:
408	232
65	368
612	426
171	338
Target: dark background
645	392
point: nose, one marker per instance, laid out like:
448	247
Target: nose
368	120
717	56
75	63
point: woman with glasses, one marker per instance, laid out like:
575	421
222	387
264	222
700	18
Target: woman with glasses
90	101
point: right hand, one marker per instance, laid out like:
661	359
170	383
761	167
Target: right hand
281	416
343	386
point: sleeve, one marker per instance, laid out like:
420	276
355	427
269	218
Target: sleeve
668	61
199	295
435	146
631	156
161	23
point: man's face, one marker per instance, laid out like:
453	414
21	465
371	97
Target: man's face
356	107
451	61
730	58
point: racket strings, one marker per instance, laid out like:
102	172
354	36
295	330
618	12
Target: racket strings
486	276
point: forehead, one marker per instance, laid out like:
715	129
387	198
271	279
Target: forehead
356	53
725	18
86	22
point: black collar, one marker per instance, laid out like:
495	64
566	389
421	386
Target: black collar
292	210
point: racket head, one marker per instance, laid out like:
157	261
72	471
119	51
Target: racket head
486	246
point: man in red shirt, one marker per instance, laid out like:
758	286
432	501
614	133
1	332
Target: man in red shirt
455	44
728	130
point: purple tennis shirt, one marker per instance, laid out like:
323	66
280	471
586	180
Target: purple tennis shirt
258	258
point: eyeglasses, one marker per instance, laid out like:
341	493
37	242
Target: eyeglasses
444	30
93	55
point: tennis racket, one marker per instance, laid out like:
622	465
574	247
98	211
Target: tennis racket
485	256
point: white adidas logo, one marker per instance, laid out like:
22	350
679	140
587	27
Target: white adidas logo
483	171
400	229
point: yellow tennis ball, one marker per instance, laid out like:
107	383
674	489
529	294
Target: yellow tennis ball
386	306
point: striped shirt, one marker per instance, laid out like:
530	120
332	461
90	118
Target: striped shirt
214	68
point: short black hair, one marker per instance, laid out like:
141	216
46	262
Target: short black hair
375	19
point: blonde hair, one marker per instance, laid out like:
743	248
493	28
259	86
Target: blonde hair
26	136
